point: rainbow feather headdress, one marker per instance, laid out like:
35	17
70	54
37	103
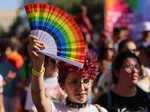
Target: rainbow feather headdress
58	31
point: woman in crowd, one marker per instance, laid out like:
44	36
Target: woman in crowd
84	23
106	54
120	34
126	96
74	81
105	82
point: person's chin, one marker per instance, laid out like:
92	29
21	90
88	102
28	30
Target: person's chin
82	100
134	82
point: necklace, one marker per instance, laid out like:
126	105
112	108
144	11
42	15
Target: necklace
75	105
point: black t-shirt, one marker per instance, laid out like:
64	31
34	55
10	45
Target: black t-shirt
114	103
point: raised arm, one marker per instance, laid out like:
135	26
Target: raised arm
37	89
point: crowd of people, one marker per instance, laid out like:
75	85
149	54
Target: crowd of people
115	76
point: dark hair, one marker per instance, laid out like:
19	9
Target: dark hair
147	51
123	43
117	30
119	60
144	35
89	70
77	9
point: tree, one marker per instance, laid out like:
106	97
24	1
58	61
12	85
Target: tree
2	32
95	13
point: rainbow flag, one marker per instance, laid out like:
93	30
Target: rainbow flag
126	13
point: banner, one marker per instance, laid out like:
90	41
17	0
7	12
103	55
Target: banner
131	13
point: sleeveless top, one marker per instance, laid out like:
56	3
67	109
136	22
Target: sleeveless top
59	107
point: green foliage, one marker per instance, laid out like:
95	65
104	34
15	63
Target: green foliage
14	27
95	13
64	4
2	32
95	10
132	3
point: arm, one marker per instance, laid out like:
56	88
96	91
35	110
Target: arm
1	95
1	103
88	23
10	76
37	89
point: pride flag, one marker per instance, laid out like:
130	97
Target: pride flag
126	13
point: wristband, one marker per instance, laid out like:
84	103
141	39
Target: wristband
38	74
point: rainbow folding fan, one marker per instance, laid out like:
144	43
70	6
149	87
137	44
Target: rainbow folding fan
58	31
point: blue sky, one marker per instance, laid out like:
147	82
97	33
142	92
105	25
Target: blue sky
9	4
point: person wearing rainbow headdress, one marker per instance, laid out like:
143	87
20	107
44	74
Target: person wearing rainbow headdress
76	82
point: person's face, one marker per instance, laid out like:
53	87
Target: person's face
129	72
124	34
148	36
84	12
77	88
131	47
109	53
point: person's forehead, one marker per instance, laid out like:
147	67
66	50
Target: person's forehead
75	75
110	45
130	60
131	45
124	31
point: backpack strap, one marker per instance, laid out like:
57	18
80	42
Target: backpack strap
109	99
98	107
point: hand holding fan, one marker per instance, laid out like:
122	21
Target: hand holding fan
58	31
